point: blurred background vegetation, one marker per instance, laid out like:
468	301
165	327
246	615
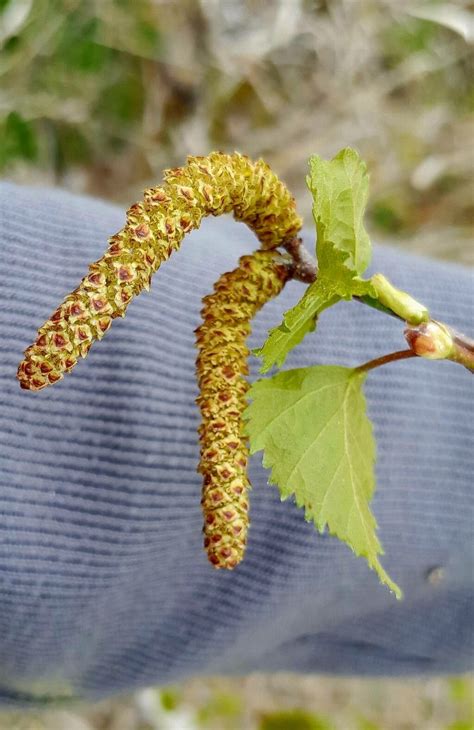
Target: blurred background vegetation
98	96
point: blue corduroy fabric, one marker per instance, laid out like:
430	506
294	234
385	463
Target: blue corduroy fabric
104	585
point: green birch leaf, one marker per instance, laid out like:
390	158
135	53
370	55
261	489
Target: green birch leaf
297	322
312	426
302	318
340	188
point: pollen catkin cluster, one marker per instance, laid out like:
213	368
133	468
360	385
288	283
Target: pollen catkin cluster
155	227
221	369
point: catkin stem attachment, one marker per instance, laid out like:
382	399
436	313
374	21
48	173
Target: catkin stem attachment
212	185
221	368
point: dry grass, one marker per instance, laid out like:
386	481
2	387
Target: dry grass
111	97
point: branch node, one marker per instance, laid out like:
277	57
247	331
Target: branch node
305	268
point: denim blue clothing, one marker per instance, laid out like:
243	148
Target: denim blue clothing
104	585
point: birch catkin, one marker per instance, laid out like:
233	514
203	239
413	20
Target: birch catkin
155	227
221	370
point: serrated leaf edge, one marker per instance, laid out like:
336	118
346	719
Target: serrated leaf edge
371	557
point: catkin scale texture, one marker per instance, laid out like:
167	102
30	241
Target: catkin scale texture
221	368
212	185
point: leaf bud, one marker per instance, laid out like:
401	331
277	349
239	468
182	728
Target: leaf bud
399	301
431	340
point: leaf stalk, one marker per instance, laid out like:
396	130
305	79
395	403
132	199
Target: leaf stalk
419	337
384	360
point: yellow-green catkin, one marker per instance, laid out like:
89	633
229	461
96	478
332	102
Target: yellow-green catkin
212	185
221	369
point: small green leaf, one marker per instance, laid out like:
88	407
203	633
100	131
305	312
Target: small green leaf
297	322
398	301
312	425
340	189
302	318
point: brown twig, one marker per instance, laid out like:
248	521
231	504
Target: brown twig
464	349
305	267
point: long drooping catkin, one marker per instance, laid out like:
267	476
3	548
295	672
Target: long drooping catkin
155	227
221	369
